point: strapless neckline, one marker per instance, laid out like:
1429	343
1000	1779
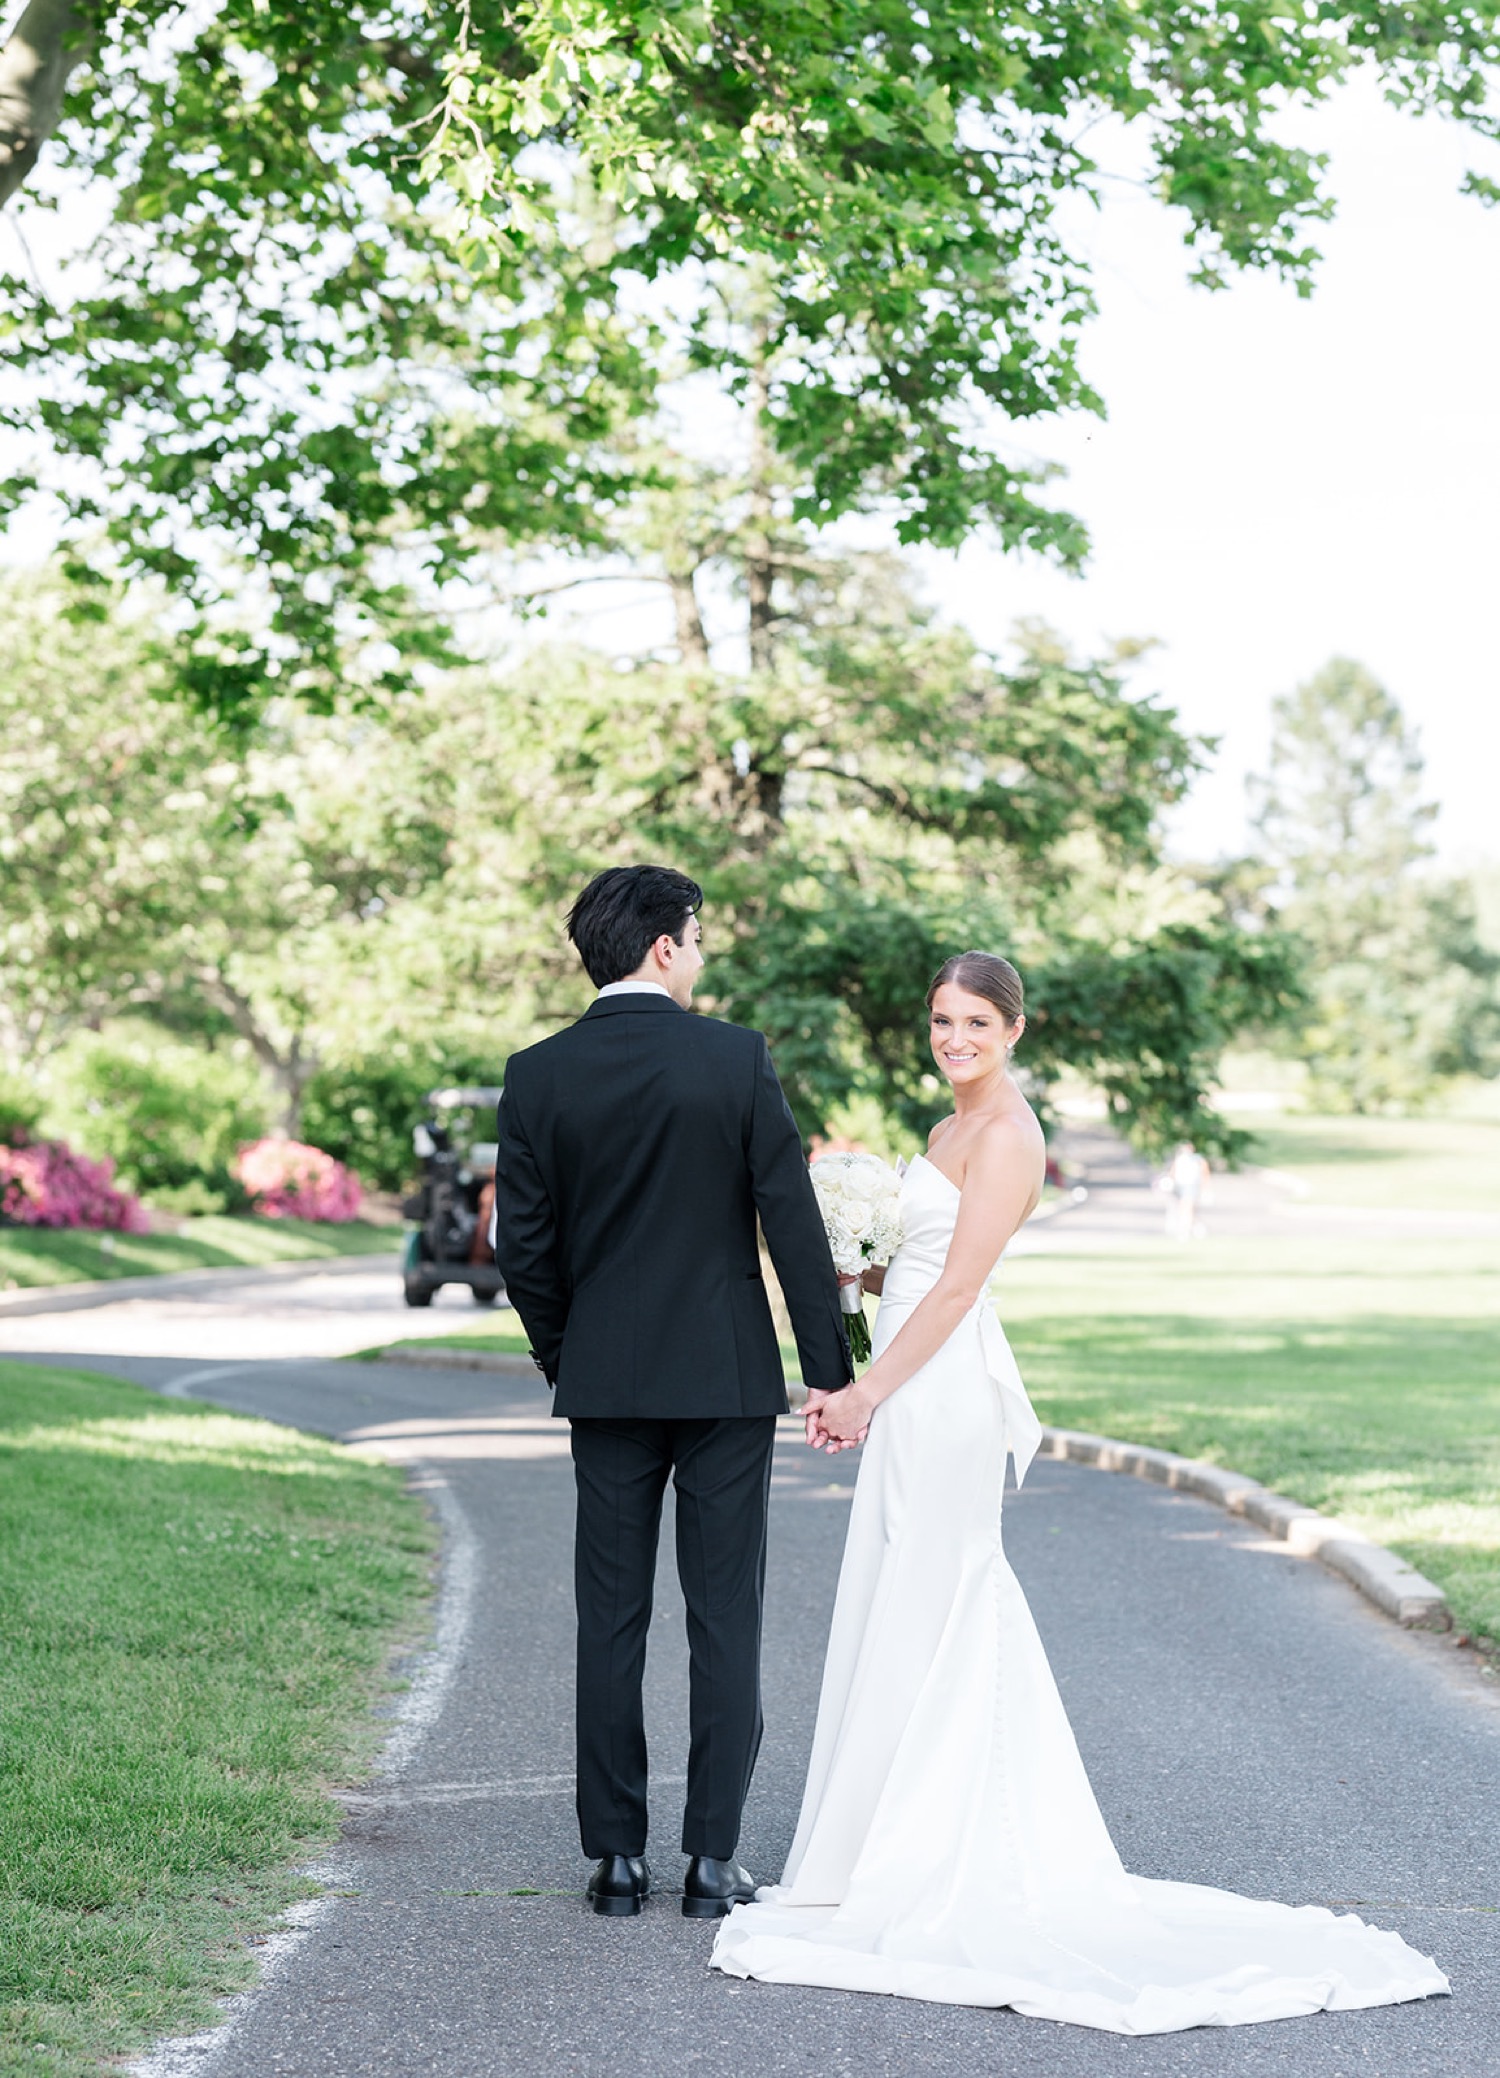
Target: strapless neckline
927	1161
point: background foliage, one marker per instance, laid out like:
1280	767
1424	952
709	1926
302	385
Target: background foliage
383	293
395	319
351	909
1405	991
170	1115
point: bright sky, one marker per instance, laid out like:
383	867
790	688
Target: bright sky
1283	480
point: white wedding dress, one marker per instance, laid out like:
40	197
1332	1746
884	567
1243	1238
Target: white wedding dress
949	1845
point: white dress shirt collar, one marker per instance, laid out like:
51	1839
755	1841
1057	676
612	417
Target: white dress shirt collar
633	988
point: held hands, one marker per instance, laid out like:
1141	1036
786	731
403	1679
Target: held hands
837	1421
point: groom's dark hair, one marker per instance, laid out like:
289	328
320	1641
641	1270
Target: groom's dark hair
623	911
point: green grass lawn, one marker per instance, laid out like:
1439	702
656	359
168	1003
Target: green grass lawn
45	1255
1360	1377
1439	1164
482	1335
195	1614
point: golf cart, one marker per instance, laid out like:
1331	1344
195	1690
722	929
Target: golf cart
450	1242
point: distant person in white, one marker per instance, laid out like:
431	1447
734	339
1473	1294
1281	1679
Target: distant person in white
1186	1185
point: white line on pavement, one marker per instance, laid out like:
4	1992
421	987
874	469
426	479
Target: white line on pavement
177	1388
418	1710
422	1704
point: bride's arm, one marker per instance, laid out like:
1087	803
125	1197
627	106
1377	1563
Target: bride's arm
999	1189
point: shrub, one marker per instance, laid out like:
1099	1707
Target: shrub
43	1183
364	1111
284	1179
20	1109
168	1114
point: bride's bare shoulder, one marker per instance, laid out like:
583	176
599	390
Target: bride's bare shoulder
938	1131
1015	1132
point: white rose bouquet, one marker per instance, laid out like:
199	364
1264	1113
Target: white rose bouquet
859	1197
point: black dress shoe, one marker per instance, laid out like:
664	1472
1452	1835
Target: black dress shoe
619	1885
711	1888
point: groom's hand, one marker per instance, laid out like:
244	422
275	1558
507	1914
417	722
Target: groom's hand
844	1418
819	1435
812	1427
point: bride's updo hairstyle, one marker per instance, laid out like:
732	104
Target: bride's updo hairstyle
983	974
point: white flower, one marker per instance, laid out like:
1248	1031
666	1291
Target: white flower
859	1197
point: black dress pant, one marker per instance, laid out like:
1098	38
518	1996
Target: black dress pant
722	1472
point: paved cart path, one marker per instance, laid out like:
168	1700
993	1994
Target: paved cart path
329	1308
1247	1720
1122	1212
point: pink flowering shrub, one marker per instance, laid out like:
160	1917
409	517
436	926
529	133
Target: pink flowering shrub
43	1183
283	1179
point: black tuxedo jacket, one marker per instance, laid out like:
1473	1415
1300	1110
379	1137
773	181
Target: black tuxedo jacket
636	1149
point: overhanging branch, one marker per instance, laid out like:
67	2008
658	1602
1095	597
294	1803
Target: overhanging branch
51	38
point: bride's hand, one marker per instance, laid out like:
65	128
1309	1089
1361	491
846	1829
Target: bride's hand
812	1422
844	1418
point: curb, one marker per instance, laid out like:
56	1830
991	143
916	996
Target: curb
1384	1579
104	1291
424	1357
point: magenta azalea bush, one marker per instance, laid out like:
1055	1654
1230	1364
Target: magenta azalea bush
284	1179
43	1183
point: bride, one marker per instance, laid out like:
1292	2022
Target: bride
949	1845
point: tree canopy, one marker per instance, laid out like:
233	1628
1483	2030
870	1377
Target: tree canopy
381	285
357	898
1404	991
146	869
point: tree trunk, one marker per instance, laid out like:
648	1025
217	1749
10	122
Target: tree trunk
51	38
759	564
291	1075
692	642
290	1067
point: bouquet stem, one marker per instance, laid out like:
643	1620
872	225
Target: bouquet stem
852	1300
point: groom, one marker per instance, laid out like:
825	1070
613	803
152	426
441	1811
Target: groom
637	1148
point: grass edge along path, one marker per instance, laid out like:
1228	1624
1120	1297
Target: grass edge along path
197	1614
40	1256
491	1341
1362	1379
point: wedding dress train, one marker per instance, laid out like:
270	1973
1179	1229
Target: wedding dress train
949	1845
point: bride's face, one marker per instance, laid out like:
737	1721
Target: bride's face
969	1036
